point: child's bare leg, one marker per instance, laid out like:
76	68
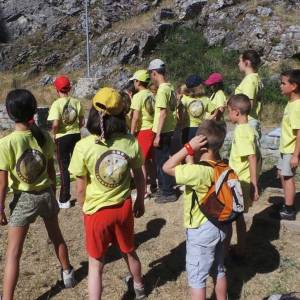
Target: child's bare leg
241	231
134	266
16	238
58	241
289	189
221	288
198	294
95	278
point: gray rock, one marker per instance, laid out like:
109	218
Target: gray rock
264	11
86	87
188	9
46	80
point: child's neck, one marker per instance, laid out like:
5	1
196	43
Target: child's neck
249	71
294	96
141	88
242	119
161	80
210	155
62	95
21	127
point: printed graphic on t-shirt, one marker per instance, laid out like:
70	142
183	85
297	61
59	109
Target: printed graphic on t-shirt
69	115
173	101
149	105
31	165
196	108
112	168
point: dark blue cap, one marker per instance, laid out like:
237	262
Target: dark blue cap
193	81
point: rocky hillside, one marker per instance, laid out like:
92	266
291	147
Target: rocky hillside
47	35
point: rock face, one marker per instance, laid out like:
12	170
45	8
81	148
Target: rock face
51	33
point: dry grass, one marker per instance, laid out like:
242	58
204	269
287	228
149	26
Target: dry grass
272	264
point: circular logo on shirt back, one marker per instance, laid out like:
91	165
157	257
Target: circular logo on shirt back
196	108
112	167
149	105
69	115
31	165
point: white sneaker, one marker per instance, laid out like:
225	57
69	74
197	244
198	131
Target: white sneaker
68	277
64	204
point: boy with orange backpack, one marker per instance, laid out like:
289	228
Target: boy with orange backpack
212	198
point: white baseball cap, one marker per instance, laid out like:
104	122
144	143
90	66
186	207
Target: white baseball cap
156	64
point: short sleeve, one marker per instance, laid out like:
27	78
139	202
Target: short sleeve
247	87
54	112
136	103
211	107
161	99
137	160
4	158
77	165
245	144
294	117
193	175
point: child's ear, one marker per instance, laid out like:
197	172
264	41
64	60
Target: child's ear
296	87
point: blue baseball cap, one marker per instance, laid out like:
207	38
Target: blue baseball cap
193	81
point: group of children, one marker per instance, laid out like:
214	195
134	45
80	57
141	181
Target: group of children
120	149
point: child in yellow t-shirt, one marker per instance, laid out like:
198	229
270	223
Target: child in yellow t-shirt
26	164
195	105
218	97
102	164
290	141
67	117
142	106
204	244
251	86
245	159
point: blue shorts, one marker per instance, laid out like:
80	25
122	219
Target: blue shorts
204	254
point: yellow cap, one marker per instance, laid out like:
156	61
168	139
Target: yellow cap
141	75
108	101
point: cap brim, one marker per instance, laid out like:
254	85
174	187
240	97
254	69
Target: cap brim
132	78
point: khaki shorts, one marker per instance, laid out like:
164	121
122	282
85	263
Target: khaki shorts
284	165
27	206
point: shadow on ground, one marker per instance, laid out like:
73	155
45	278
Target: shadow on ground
153	229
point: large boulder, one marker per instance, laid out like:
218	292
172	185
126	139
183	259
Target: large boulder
86	87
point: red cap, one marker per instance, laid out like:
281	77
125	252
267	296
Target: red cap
62	84
213	79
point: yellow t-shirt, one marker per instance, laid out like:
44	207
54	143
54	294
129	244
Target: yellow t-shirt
251	86
290	123
244	143
144	103
195	110
25	161
67	111
198	178
165	98
107	166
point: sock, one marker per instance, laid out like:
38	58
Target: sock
139	285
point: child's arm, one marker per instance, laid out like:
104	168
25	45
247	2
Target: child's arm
253	177
3	190
81	121
55	127
139	180
295	158
52	174
196	144
134	121
162	118
81	183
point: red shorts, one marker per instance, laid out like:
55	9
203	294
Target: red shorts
145	140
112	224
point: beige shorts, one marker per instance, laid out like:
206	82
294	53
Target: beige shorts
284	165
27	206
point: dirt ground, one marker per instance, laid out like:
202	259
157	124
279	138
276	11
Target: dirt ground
272	265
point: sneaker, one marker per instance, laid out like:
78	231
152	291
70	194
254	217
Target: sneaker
64	204
286	214
166	199
156	194
139	292
68	277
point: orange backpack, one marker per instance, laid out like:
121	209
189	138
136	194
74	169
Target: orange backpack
224	200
